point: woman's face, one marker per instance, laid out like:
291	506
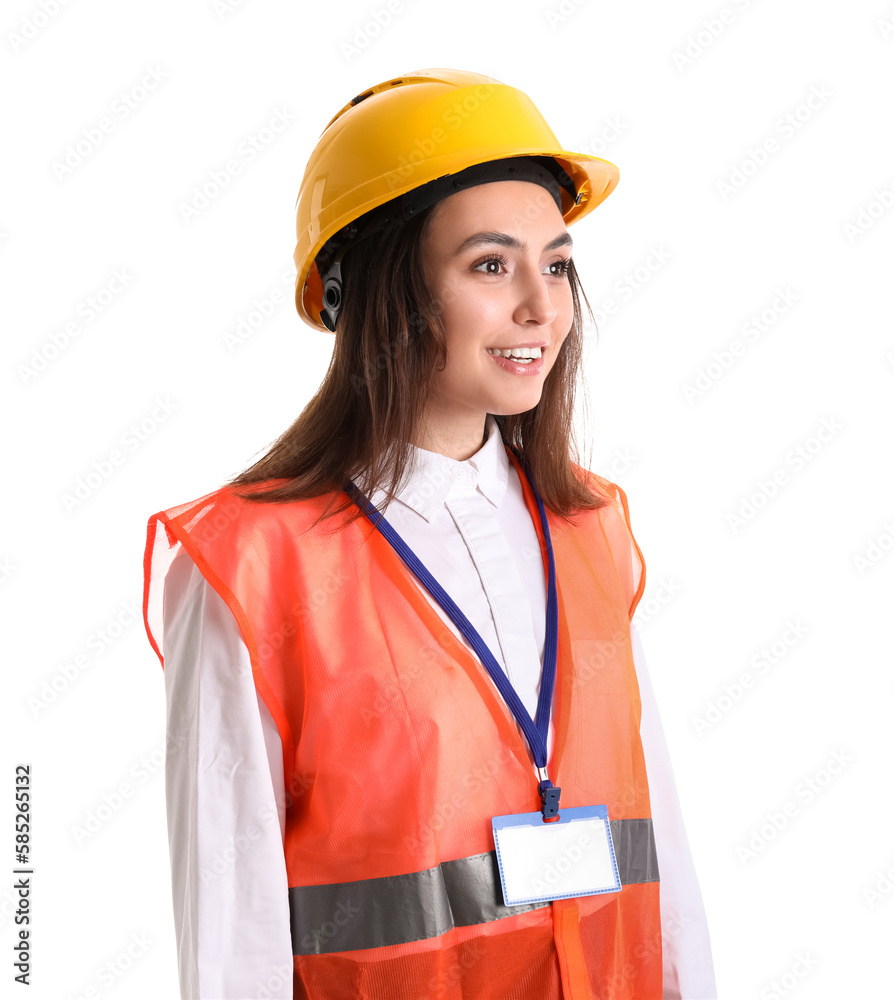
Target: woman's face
495	260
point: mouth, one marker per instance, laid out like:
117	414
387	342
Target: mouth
523	354
520	360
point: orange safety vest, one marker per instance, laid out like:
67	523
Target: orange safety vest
398	750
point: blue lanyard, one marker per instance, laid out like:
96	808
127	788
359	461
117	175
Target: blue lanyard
535	732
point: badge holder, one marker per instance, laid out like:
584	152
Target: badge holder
541	860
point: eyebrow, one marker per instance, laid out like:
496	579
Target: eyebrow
512	242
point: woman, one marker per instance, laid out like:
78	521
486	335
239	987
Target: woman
410	752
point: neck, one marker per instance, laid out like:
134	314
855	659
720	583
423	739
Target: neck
458	440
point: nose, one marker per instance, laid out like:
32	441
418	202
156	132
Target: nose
534	303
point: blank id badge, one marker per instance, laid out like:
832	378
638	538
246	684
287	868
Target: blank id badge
570	856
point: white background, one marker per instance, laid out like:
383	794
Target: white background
680	99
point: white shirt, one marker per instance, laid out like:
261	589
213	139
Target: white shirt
469	525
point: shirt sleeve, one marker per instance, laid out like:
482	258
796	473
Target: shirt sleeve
225	803
686	945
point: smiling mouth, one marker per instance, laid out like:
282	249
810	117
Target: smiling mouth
523	355
519	366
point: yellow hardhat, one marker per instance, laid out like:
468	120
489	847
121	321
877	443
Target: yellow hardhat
410	131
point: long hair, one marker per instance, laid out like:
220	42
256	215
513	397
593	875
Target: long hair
389	342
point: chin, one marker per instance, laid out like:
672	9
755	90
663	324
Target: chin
510	408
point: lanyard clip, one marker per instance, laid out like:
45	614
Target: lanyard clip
549	795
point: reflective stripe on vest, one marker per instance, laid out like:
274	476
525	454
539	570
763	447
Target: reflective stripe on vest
398	909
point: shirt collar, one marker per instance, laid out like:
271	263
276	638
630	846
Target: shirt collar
431	476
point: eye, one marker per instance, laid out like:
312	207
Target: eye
562	265
495	259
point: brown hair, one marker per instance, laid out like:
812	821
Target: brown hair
389	342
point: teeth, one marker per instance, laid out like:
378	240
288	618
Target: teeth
517	352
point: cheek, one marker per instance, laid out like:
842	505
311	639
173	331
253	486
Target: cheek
564	302
465	303
564	319
565	310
